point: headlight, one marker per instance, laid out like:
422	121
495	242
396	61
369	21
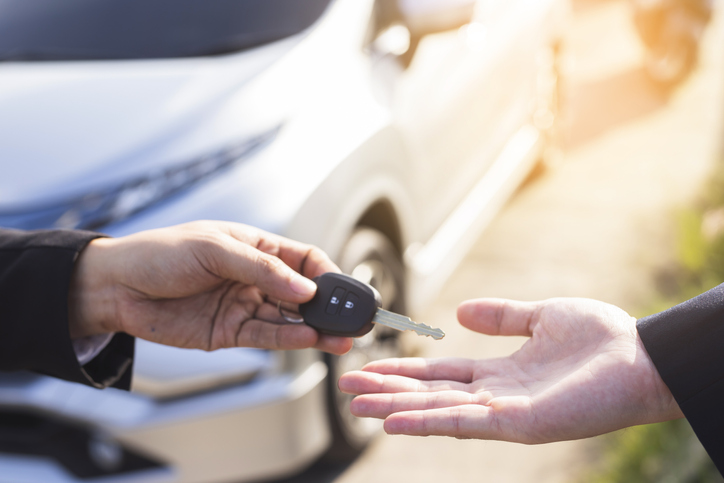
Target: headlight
115	203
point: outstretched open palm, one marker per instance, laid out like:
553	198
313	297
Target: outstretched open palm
583	372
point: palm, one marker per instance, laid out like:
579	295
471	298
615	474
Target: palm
582	372
210	317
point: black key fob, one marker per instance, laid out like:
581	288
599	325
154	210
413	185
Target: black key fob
342	306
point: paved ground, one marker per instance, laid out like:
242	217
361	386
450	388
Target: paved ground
599	226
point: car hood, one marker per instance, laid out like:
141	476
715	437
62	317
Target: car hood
62	122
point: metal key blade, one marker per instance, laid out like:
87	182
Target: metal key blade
400	322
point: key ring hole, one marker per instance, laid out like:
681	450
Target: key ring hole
291	320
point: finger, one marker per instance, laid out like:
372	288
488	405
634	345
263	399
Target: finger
326	343
314	263
305	259
500	316
281	267
471	421
245	264
277	334
382	405
333	344
363	382
265	335
464	371
270	312
447	368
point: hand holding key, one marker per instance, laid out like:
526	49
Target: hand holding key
583	372
202	285
346	307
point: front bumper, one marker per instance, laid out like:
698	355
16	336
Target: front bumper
269	427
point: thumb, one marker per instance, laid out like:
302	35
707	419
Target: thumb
499	316
243	263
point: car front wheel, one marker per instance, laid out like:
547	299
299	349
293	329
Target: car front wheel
370	257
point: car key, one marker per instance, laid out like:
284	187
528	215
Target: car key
346	307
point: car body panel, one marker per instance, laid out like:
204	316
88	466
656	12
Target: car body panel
441	144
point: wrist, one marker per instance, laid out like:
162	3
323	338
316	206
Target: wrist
662	405
90	297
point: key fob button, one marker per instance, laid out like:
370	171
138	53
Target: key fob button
350	303
342	306
335	300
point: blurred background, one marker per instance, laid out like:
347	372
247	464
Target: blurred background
440	150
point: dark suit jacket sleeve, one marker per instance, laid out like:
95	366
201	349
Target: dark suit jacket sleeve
686	343
35	272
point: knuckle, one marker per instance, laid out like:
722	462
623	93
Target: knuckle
269	264
198	226
278	338
252	336
317	253
314	257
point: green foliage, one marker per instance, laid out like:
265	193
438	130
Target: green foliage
691	242
700	246
670	452
701	235
656	453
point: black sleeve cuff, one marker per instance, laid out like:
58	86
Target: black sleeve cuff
112	367
35	273
686	344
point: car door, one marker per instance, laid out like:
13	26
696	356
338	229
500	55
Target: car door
464	94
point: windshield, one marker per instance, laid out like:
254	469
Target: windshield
32	30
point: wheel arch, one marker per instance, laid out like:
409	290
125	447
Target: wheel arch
381	216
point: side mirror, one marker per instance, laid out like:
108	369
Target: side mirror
424	17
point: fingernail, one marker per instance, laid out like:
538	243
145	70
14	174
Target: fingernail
302	285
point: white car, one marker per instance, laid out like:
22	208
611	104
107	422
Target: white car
386	132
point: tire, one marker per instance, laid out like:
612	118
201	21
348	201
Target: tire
370	257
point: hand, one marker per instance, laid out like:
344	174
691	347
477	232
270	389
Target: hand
583	372
203	285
